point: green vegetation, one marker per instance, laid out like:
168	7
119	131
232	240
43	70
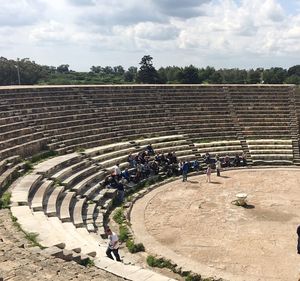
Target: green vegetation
5	200
134	248
124	233
28	165
118	216
161	263
80	150
30	236
33	73
193	277
88	263
164	263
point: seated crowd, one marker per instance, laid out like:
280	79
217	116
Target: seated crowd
148	163
237	161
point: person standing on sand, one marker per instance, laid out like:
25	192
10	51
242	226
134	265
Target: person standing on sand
218	167
208	173
298	246
185	170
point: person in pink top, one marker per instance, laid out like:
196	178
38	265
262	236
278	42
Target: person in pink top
208	173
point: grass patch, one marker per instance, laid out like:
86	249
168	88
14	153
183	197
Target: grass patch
119	216
161	263
188	275
123	233
193	277
134	248
57	182
5	200
88	263
80	150
30	236
28	166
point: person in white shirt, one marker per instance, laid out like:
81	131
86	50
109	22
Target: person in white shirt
117	171
113	245
218	167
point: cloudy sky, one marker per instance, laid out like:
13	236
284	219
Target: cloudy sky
219	33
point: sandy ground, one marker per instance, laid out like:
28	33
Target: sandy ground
196	225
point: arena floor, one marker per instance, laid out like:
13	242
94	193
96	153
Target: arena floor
196	225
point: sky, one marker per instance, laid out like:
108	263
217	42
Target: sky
223	34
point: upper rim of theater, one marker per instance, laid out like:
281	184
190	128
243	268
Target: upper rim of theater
142	86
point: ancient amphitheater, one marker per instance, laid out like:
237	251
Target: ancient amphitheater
91	128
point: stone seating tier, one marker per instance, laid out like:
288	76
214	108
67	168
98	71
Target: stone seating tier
107	138
69	170
36	201
67	203
79	175
103	127
51	202
77	212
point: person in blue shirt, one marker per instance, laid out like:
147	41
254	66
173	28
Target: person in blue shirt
126	175
185	170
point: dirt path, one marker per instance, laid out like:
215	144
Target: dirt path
196	226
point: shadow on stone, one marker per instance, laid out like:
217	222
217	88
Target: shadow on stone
248	206
193	181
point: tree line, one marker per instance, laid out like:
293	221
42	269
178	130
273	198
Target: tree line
27	72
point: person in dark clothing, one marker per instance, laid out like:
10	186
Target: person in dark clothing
150	149
126	175
207	158
298	246
121	192
185	170
237	161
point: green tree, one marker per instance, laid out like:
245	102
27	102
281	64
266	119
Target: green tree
118	70
294	70
215	78
189	75
147	72
63	68
254	76
274	75
130	74
205	74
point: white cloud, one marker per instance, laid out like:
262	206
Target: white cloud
178	32
20	13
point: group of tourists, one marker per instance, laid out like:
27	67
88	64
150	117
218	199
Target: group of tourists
148	163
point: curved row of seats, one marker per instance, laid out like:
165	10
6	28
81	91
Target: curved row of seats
67	118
